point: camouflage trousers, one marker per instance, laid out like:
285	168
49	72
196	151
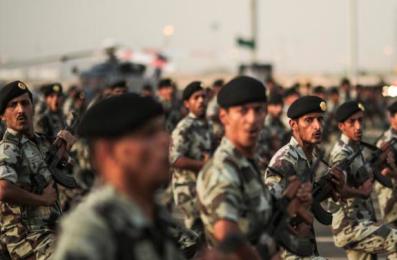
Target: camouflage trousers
387	199
383	241
185	199
31	245
69	198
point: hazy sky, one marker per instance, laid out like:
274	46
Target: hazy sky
297	35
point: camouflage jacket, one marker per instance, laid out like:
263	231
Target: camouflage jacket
22	163
354	220
289	161
192	139
108	225
387	197
50	123
229	187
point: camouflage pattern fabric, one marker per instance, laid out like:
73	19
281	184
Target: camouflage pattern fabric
192	139
387	198
26	230
229	187
289	161
172	114
49	123
353	224
108	225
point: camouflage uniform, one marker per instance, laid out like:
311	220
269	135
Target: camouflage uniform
108	225
50	123
172	113
213	118
192	139
353	224
387	198
264	150
27	231
289	161
278	131
229	187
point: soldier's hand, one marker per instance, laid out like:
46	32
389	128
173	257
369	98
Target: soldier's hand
338	179
49	195
366	188
304	193
68	138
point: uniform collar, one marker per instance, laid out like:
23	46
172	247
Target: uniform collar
229	146
23	138
294	143
347	141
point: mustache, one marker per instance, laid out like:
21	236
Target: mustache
22	117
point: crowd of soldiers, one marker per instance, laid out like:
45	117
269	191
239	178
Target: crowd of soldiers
237	170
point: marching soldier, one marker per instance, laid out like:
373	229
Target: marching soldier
191	147
387	197
354	223
232	198
52	120
166	96
298	157
120	220
29	205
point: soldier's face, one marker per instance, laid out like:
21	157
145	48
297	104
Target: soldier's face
53	102
119	91
166	93
353	126
393	121
243	123
275	110
308	128
143	156
18	114
197	103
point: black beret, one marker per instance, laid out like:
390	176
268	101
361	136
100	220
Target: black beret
117	116
191	89
119	84
290	91
319	90
392	108
333	90
347	109
218	83
12	90
53	88
275	99
305	105
241	90
165	83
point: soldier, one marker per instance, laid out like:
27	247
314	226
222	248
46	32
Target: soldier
166	96
118	88
213	111
290	96
120	219
232	198
29	206
52	120
298	157
387	197
191	147
354	223
274	134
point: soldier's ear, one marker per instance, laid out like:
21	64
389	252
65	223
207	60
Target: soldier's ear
341	126
223	116
293	124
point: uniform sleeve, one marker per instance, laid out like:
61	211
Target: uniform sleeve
41	124
277	174
9	157
179	143
84	237
219	192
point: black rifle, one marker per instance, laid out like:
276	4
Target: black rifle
324	188
377	164
54	158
